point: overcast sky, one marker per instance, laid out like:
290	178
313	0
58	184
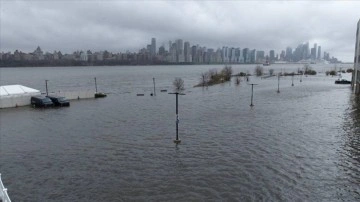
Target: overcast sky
119	26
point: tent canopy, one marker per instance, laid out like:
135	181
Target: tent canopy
17	90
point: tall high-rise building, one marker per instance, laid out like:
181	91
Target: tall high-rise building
187	52
253	56
356	76
319	53
272	56
170	44
313	52
306	51
180	50
246	55
153	47
288	54
224	56
162	50
260	56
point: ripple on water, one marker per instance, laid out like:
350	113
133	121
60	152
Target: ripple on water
294	146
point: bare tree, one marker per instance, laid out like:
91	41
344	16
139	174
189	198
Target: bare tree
205	77
259	70
212	73
227	71
178	85
237	80
271	72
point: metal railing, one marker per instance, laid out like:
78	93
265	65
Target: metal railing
3	192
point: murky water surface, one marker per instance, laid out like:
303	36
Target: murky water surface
300	144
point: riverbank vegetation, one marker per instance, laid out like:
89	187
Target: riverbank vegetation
213	77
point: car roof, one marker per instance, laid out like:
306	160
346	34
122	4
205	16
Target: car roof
54	96
39	96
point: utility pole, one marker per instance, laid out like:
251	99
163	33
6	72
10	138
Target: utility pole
46	87
252	93
177	140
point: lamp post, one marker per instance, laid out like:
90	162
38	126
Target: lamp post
95	85
278	91
46	87
154	86
252	93
177	140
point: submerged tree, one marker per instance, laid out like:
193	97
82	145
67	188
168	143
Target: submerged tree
259	70
205	78
271	72
226	72
237	80
309	70
178	85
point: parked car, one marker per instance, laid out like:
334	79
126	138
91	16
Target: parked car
41	101
59	101
342	81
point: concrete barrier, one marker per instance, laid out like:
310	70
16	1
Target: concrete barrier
74	95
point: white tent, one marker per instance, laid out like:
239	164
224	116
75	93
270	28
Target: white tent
16	95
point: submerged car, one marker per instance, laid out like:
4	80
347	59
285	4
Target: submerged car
41	101
342	81
59	101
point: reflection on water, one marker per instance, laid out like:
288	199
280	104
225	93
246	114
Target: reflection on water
300	144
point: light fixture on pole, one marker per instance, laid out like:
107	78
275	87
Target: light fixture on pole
177	140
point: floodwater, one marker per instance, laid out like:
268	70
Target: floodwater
302	144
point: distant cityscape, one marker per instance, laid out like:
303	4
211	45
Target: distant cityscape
177	52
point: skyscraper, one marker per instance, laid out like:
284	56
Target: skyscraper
319	53
246	55
153	47
288	54
272	56
356	76
187	52
313	52
260	56
306	51
180	50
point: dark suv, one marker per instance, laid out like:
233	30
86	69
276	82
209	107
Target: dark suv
41	101
59	101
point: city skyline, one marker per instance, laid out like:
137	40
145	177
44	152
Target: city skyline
177	52
121	26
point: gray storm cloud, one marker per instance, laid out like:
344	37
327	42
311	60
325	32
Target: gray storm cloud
119	26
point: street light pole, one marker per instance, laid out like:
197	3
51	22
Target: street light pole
177	140
154	86
252	93
278	91
95	85
46	87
